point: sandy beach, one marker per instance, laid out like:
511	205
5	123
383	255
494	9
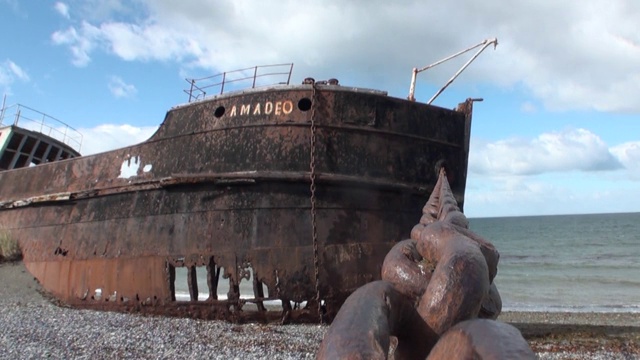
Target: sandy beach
33	327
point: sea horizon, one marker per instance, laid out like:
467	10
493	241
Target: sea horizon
550	215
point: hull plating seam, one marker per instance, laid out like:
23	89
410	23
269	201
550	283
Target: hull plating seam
223	179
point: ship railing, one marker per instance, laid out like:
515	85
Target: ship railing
34	120
483	45
252	77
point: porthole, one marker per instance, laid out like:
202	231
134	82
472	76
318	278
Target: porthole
304	104
219	112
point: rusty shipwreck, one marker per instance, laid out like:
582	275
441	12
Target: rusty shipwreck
297	191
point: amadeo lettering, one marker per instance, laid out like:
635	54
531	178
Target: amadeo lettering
267	108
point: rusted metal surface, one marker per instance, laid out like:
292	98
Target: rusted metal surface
482	339
376	312
437	287
406	269
223	188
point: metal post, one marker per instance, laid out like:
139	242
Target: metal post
18	152
193	83
2	110
290	71
412	87
15	122
255	73
224	78
64	135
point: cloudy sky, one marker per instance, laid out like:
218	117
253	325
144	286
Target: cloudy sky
558	132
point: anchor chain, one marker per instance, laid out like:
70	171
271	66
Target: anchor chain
312	187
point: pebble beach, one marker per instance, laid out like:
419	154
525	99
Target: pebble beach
33	327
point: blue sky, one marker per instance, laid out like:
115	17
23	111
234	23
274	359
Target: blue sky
558	132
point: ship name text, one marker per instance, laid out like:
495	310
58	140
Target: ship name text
267	108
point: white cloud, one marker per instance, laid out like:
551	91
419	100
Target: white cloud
17	70
81	42
9	73
62	9
120	89
569	55
569	150
110	136
553	194
629	155
554	173
489	196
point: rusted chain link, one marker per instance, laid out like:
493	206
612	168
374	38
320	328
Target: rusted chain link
436	297
312	187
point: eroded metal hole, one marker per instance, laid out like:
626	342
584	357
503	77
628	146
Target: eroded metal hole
304	104
219	111
242	290
190	283
253	288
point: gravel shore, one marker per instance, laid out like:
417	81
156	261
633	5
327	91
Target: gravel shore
32	327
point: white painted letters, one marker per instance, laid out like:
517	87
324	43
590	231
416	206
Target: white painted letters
266	108
287	107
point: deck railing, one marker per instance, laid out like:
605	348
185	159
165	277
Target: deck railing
238	79
34	120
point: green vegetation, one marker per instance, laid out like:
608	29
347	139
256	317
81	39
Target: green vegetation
9	248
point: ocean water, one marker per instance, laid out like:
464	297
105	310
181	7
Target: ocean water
575	263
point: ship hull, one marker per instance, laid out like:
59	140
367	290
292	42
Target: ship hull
223	189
